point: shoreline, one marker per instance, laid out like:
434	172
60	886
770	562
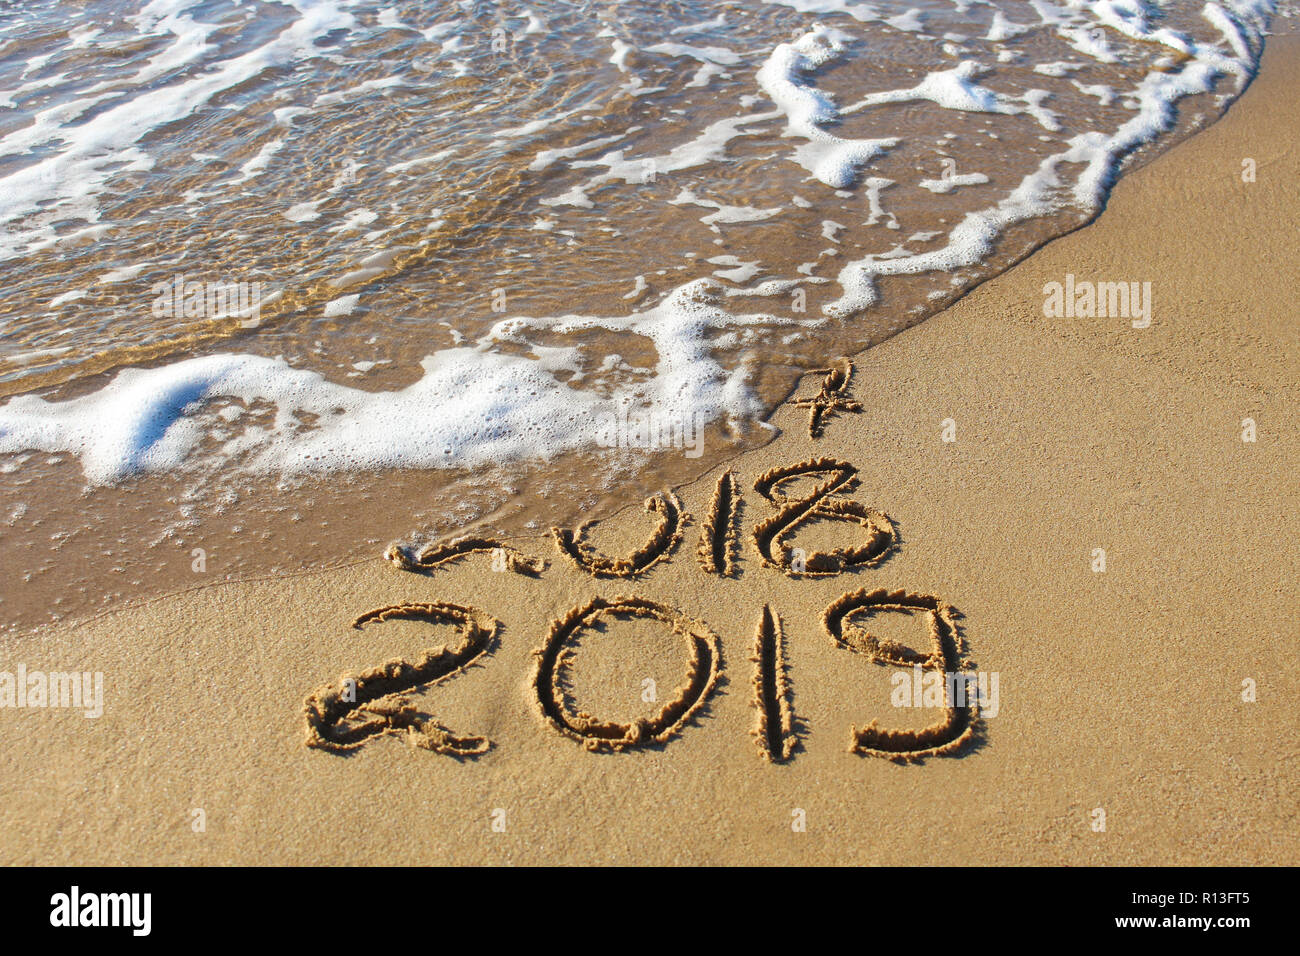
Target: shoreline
1121	690
90	541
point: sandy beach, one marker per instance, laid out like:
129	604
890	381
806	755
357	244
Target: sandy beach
1101	517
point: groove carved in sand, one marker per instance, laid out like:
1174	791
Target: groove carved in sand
372	704
772	535
672	519
359	707
703	669
831	398
720	534
437	555
957	727
774	728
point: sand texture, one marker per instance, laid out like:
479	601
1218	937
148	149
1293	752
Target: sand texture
706	677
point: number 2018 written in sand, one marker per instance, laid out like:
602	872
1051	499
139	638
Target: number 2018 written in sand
361	707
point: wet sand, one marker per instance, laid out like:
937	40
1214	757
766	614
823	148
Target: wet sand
1119	691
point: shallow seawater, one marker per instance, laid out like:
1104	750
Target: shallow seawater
288	280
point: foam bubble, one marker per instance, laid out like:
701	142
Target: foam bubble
75	160
832	160
481	400
472	406
948	183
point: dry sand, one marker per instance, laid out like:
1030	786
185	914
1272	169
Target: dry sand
1120	691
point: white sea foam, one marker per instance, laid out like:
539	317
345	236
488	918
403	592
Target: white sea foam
471	407
1003	29
724	214
947	184
87	154
738	272
707	54
482	401
953	89
832	160
1099	153
344	305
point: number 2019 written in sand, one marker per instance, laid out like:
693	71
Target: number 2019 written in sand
373	703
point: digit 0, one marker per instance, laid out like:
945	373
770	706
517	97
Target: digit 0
703	662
